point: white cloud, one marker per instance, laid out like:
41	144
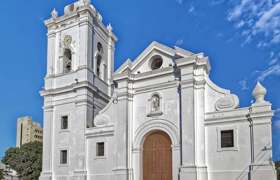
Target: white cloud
277	117
259	22
191	9
276	38
244	84
277	124
274	58
217	2
268	19
273	61
180	1
272	70
257	18
272	54
179	42
240	24
220	35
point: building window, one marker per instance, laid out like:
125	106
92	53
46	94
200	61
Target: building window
98	63
63	157
105	72
99	59
67	61
99	48
64	122
100	149
227	138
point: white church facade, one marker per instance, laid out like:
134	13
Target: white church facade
158	117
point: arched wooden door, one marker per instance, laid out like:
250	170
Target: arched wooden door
157	157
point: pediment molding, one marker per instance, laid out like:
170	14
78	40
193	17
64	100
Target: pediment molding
154	48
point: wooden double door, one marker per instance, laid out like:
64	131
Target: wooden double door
157	157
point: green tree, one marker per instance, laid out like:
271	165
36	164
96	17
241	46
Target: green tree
26	160
1	174
277	167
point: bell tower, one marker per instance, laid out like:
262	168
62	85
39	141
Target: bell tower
79	42
78	82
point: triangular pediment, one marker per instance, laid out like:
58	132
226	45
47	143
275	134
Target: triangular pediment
144	62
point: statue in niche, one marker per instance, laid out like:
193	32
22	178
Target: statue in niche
155	103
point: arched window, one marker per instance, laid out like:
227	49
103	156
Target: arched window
100	48
67	61
98	65
105	72
155	103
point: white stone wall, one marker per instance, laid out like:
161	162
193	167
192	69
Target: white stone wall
122	118
233	163
79	94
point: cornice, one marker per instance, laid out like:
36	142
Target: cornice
70	16
199	82
185	61
51	76
100	131
86	102
181	57
52	24
235	120
238	115
155	73
73	88
187	83
143	76
48	108
156	87
182	62
125	94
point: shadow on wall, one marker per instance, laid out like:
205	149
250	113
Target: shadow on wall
258	158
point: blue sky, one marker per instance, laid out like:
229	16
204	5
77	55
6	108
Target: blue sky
241	37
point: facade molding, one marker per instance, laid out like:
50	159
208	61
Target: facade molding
155	125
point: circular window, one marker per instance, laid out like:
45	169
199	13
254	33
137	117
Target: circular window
156	62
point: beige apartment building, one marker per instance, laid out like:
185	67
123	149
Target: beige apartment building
28	131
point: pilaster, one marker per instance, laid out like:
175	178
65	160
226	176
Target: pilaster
111	60
122	154
83	111
51	53
47	166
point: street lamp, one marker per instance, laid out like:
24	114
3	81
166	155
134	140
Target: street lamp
251	125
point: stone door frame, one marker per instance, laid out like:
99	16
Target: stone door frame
140	135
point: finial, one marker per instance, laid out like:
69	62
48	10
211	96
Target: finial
85	2
99	17
109	27
259	93
54	14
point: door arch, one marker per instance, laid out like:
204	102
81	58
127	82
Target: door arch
157	157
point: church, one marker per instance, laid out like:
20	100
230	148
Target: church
157	117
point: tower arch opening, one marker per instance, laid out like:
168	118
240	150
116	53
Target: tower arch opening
67	60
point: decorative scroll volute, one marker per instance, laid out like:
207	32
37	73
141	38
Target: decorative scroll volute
228	102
